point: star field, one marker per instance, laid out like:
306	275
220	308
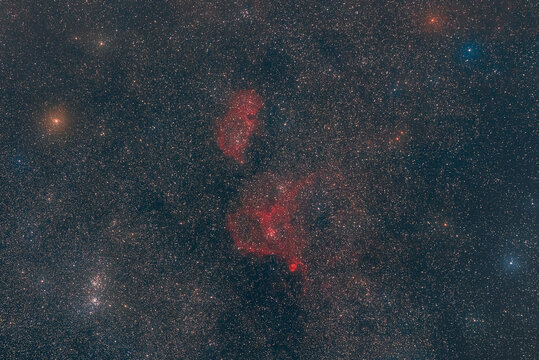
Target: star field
268	180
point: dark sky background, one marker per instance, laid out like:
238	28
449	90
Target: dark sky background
419	119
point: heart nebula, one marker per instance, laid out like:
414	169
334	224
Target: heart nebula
267	222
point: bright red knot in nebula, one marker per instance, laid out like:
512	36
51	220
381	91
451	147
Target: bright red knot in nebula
266	223
234	130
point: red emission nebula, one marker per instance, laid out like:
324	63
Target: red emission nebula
267	222
234	130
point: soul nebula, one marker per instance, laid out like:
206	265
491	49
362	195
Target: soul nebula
234	130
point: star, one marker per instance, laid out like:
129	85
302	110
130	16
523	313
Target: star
56	120
471	52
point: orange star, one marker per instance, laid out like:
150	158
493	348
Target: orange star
55	120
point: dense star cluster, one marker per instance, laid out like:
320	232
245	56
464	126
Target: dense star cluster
259	179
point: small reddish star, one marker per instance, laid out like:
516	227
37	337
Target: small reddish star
293	267
55	120
434	23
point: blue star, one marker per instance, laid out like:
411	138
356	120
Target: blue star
396	91
512	263
18	160
19	163
470	52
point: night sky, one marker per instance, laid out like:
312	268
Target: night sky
257	179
